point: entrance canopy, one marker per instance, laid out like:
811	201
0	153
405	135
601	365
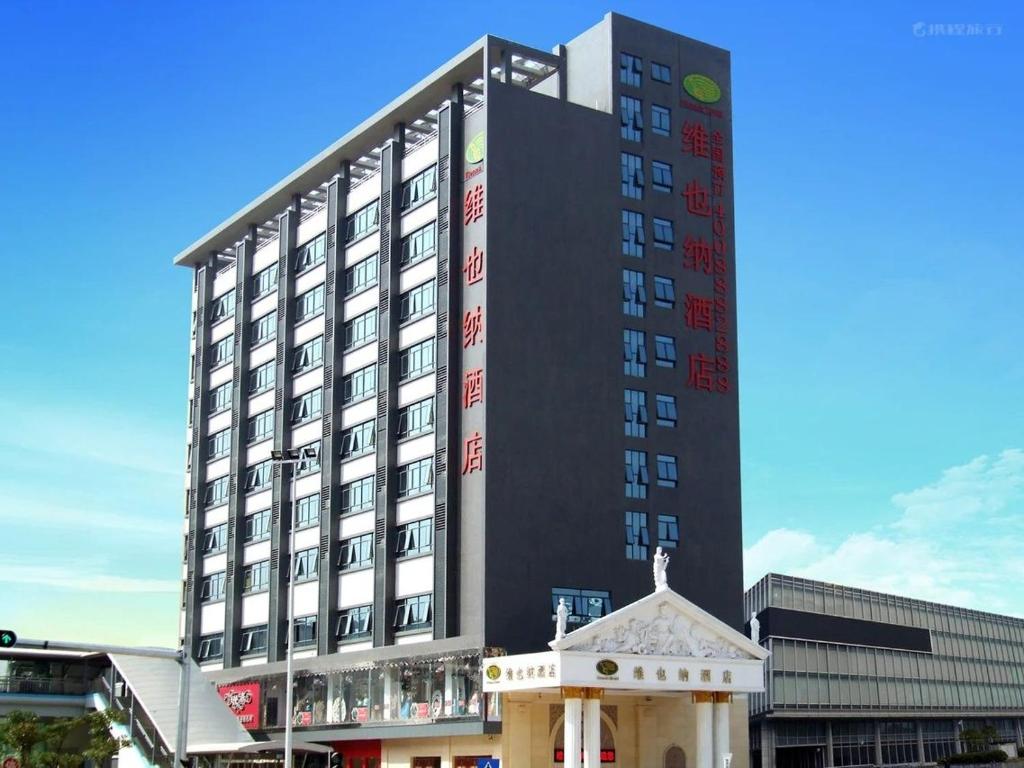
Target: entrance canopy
660	643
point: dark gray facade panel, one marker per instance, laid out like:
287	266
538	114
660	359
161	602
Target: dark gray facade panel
281	501
387	386
805	625
471	522
330	448
200	410
239	419
554	505
707	565
447	400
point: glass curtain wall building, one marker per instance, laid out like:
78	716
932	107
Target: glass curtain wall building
865	678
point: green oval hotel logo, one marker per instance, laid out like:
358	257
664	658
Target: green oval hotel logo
607	667
475	149
702	88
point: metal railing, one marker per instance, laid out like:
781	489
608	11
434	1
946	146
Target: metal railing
141	728
52	686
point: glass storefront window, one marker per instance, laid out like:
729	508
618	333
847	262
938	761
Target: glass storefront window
423	690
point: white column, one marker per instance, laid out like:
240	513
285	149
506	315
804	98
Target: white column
572	741
591	729
705	730
721	727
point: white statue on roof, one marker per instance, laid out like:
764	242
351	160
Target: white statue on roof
660	564
561	618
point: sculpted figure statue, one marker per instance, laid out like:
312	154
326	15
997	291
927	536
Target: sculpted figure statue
562	618
755	628
660	564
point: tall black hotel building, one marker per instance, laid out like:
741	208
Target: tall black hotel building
502	312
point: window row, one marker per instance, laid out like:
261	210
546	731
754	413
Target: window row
637	476
410	613
636	412
414	419
634	237
638	539
631	119
633	179
634	292
631	70
634	352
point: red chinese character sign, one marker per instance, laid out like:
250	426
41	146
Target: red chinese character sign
707	248
472	388
474	304
243	699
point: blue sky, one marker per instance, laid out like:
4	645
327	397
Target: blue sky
878	163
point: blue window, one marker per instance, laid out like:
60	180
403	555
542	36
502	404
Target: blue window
263	329
222	352
668	472
361	330
632	176
668	531
632	234
636	413
634	295
667	416
361	276
355	622
356	552
665	351
412	612
661	176
637	538
631	69
634	352
636	474
417	477
661	120
362	222
312	253
307	406
664	234
664	292
308	355
415	538
585	605
310	304
631	116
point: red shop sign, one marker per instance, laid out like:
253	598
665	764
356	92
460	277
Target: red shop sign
243	699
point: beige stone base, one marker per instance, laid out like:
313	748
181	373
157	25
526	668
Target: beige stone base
642	730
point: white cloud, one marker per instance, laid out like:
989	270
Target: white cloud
955	541
37	513
105	437
980	487
796	549
80	578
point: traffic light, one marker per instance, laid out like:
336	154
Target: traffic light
7	638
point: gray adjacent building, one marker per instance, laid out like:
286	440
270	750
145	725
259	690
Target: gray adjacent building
865	678
501	313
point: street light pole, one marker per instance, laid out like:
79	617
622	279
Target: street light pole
292	457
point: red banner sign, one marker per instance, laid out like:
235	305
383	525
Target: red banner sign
243	699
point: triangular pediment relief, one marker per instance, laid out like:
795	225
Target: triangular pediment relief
662	624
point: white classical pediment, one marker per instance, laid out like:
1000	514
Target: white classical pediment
662	624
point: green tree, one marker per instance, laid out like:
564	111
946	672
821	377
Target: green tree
62	743
980	738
